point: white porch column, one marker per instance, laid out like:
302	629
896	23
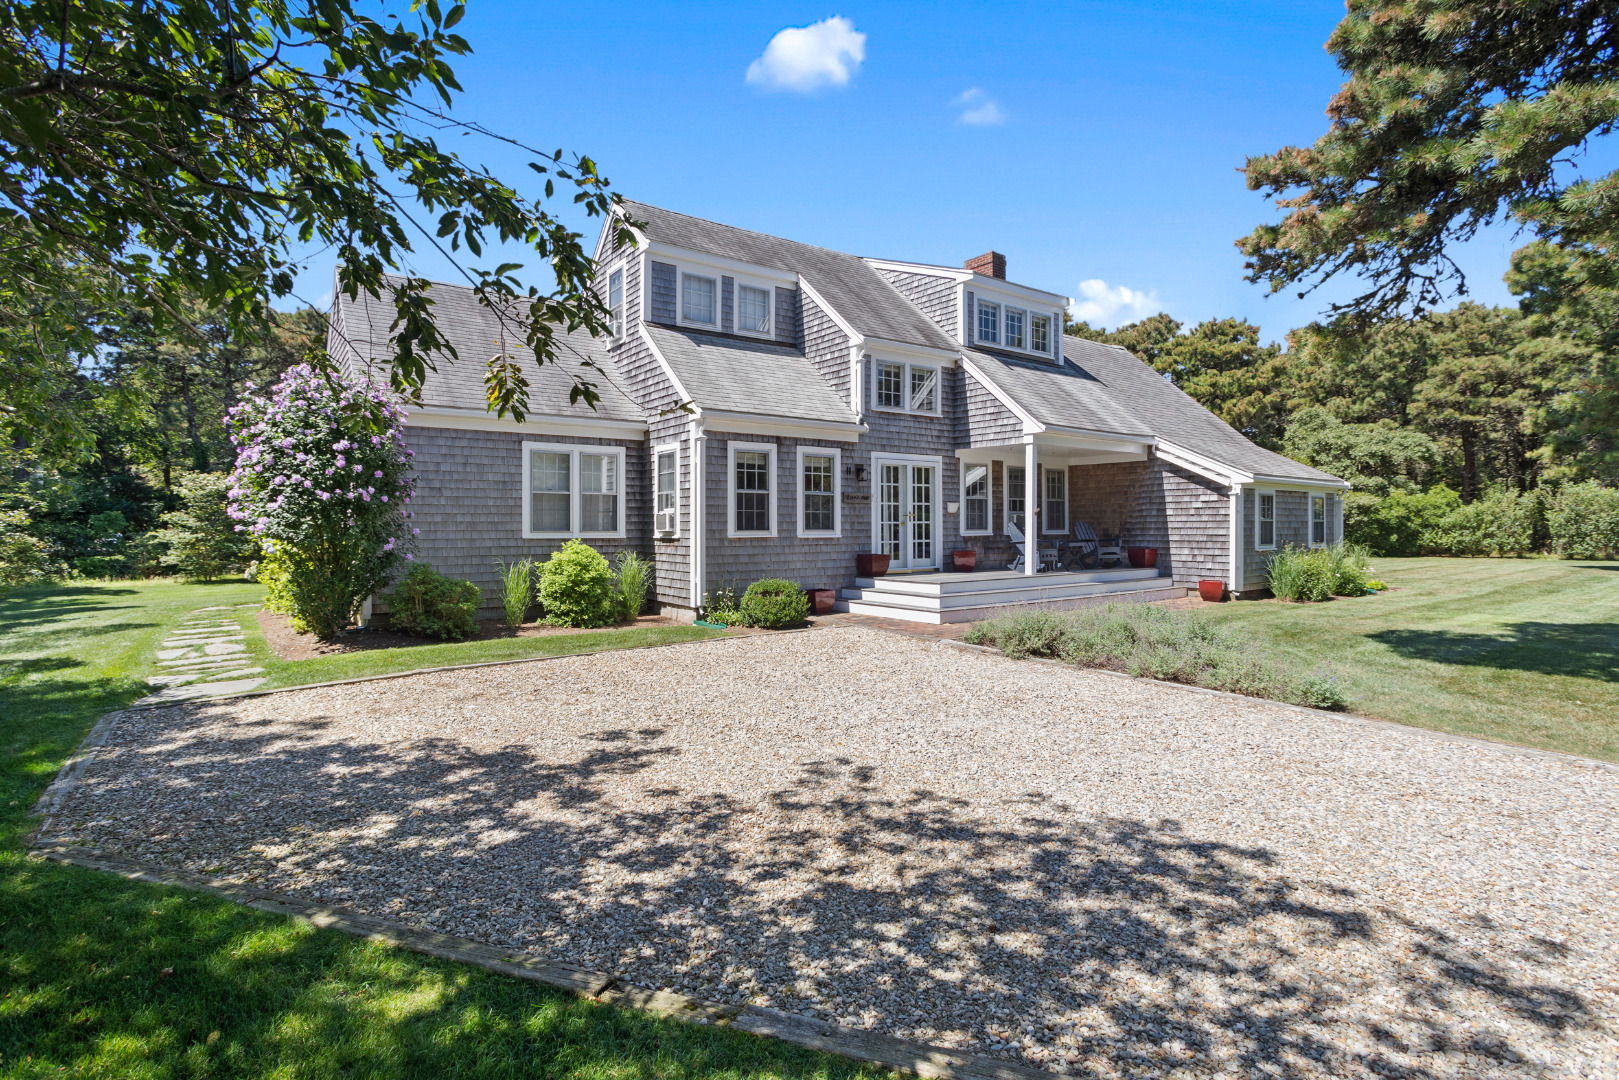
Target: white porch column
1235	579
699	462
1031	510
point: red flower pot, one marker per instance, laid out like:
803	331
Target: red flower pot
1142	558
871	565
1211	590
821	600
965	559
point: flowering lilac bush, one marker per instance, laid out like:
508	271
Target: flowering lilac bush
322	481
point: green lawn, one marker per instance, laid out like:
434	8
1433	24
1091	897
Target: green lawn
1523	650
103	977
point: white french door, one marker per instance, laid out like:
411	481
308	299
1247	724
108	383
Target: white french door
907	517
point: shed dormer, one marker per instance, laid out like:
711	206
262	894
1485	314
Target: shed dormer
979	308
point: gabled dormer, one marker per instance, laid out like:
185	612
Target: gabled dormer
979	308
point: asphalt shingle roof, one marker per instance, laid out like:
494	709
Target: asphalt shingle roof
1056	396
857	292
477	335
731	374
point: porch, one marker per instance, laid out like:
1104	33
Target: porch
966	597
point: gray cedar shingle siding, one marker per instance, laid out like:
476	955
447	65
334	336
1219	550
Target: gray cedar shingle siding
789	321
1292	529
989	422
827	348
934	296
727	304
1156	504
469	502
660	303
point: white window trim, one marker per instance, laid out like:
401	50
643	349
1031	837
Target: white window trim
769	332
1005	343
1033	315
989	498
681	274
731	450
905	387
623	300
1063	469
979	303
1272	493
657	451
1309	521
1006	496
837	490
573	450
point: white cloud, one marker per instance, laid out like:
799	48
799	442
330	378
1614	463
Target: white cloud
805	58
1112	306
981	109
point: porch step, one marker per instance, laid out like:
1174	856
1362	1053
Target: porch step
972	605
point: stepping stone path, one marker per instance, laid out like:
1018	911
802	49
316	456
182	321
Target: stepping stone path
206	655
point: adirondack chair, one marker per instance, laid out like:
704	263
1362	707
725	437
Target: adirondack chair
1048	556
1105	551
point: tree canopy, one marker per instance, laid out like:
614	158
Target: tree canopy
160	153
1456	112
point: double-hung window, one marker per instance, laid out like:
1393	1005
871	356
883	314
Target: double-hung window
975	500
1318	521
752	309
698	299
1015	319
818	479
989	322
572	491
1264	520
1016	493
666	479
908	387
1054	514
752	489
1040	334
615	301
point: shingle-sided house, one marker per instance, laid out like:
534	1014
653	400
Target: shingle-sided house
773	409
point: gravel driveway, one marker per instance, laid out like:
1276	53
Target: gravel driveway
1078	871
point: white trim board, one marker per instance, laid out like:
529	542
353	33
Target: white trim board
473	420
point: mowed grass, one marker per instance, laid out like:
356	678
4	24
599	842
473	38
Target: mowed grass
103	977
1521	650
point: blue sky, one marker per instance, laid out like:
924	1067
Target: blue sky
1087	142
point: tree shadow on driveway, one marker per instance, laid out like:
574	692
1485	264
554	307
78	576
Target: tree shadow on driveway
1105	947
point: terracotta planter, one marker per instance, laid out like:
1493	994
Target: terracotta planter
1142	558
1211	590
821	600
871	565
965	559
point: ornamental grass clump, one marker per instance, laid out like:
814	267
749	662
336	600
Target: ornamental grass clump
1155	643
322	478
576	587
516	590
633	579
1310	575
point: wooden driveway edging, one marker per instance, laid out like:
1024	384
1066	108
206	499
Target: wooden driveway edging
904	1055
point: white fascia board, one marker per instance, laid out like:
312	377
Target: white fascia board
1030	424
925	353
1204	466
1018	295
606	231
953	273
784	426
1294	484
476	420
785	278
683	398
820	301
1083	439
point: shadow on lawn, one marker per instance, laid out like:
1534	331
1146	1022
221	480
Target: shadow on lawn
949	922
1582	650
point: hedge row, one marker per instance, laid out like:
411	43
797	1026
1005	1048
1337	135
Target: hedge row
1579	521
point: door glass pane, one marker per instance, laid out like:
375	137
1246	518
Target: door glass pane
598	487
921	515
818	505
892	522
752	491
548	483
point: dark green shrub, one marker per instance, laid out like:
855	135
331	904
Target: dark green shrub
1584	521
1398	523
775	604
576	587
427	603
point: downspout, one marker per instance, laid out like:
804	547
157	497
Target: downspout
1236	578
699	499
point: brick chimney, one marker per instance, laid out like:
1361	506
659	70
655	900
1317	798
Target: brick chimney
990	263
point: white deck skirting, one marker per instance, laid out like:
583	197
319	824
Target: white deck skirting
951	598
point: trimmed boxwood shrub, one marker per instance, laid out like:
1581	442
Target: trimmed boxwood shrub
576	587
775	604
426	602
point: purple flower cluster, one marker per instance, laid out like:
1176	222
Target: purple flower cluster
310	473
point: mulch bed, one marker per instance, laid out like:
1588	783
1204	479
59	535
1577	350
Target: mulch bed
289	644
